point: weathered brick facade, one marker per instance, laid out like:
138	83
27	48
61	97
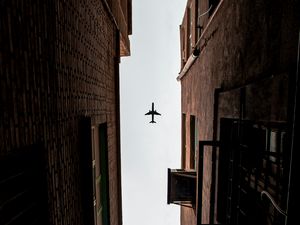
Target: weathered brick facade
58	63
248	53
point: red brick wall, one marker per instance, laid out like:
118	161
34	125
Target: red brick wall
187	216
244	43
57	63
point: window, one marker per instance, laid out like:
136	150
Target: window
189	31
96	175
100	174
193	142
213	4
183	141
198	20
124	8
103	185
183	51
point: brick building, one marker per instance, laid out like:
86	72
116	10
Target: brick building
59	110
239	82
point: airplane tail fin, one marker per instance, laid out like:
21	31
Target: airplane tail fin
152	121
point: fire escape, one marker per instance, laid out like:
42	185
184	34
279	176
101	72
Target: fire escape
249	185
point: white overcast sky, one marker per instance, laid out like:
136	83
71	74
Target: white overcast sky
149	75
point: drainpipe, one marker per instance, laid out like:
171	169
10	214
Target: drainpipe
189	63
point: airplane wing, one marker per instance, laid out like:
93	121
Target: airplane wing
156	113
148	113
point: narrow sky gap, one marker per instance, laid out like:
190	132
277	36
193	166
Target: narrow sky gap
148	149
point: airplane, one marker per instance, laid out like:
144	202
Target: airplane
152	113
